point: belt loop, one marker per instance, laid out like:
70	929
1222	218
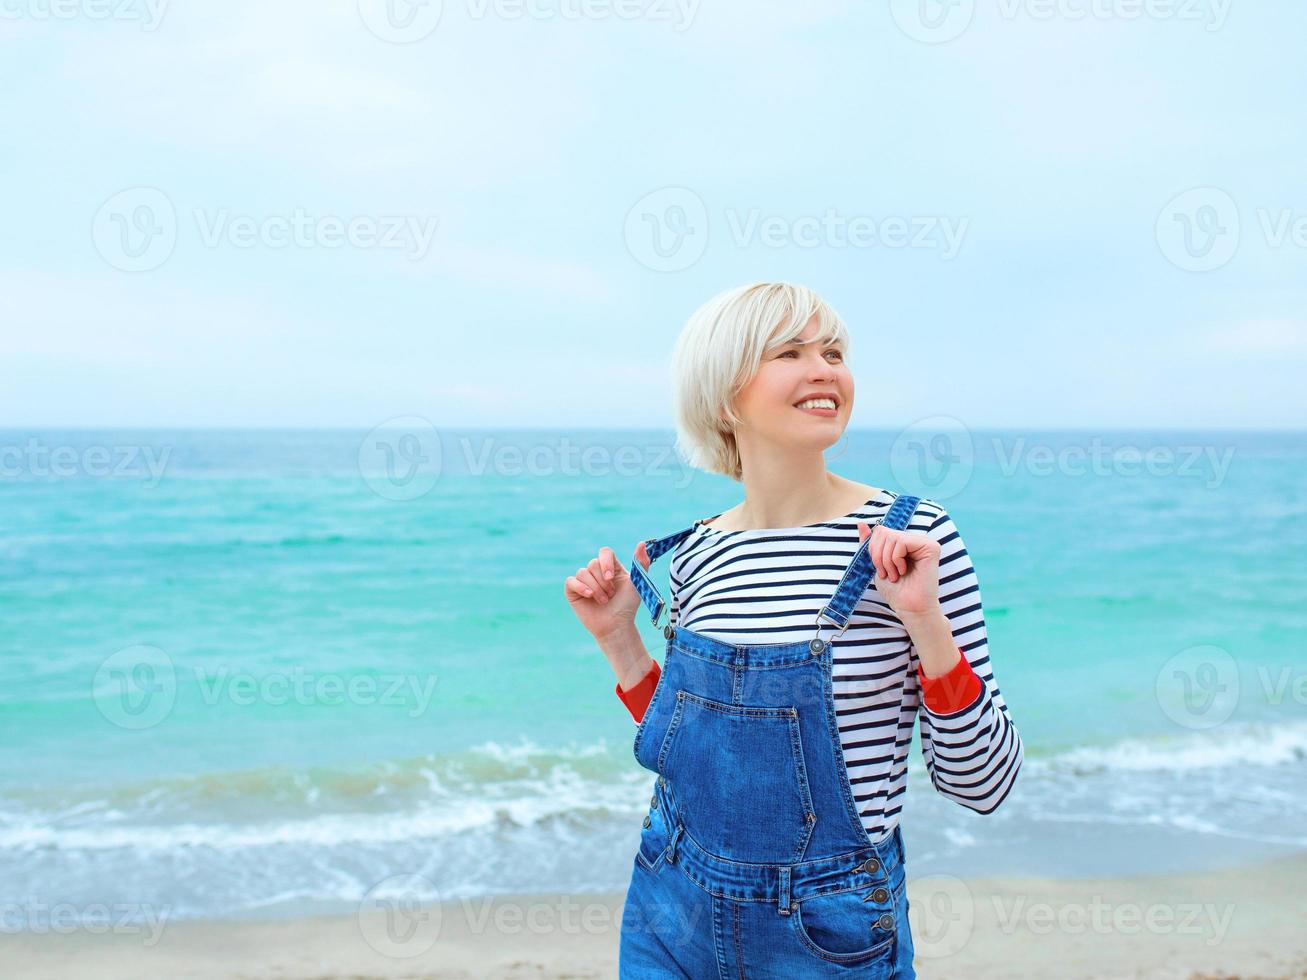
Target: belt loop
783	906
898	844
671	847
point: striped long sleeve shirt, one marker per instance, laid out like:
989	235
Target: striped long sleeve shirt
767	585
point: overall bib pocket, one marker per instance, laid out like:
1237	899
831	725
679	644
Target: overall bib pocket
853	926
652	728
738	777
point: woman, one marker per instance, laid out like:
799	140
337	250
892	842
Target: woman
808	626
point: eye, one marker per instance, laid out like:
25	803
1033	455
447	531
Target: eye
837	353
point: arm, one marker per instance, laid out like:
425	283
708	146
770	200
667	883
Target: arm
639	692
970	745
638	697
637	672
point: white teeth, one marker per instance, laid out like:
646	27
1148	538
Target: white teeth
817	403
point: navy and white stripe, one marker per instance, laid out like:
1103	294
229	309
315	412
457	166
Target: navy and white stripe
767	586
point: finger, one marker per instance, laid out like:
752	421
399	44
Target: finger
597	570
900	552
887	556
877	544
607	559
641	555
590	582
864	532
573	589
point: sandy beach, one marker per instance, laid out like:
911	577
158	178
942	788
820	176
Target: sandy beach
1245	922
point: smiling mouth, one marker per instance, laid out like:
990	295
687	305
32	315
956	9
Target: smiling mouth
818	406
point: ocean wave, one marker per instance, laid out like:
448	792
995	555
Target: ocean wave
1249	744
492	786
504	789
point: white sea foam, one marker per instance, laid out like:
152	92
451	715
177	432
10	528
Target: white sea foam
1250	744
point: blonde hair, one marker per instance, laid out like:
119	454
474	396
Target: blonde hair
718	353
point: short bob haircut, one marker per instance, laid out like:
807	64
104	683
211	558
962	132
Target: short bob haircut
718	353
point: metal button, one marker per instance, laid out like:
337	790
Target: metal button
816	646
871	865
879	895
886	921
647	821
668	630
653	802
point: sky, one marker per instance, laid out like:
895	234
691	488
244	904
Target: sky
1039	213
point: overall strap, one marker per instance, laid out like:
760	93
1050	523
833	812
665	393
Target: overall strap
654	548
861	570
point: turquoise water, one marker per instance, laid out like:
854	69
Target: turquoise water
179	647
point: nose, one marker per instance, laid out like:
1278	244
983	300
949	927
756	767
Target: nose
822	370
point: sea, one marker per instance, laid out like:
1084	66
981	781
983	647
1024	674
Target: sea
260	673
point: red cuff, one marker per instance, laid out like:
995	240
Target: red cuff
639	696
951	692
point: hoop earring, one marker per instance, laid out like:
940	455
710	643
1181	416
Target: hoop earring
841	452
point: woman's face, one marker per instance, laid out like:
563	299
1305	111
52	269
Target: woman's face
789	376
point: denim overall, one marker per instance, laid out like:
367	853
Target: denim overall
753	861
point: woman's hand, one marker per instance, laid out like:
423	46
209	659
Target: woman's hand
602	595
907	569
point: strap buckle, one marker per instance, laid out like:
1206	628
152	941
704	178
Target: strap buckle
817	624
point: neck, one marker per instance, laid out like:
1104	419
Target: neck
789	489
